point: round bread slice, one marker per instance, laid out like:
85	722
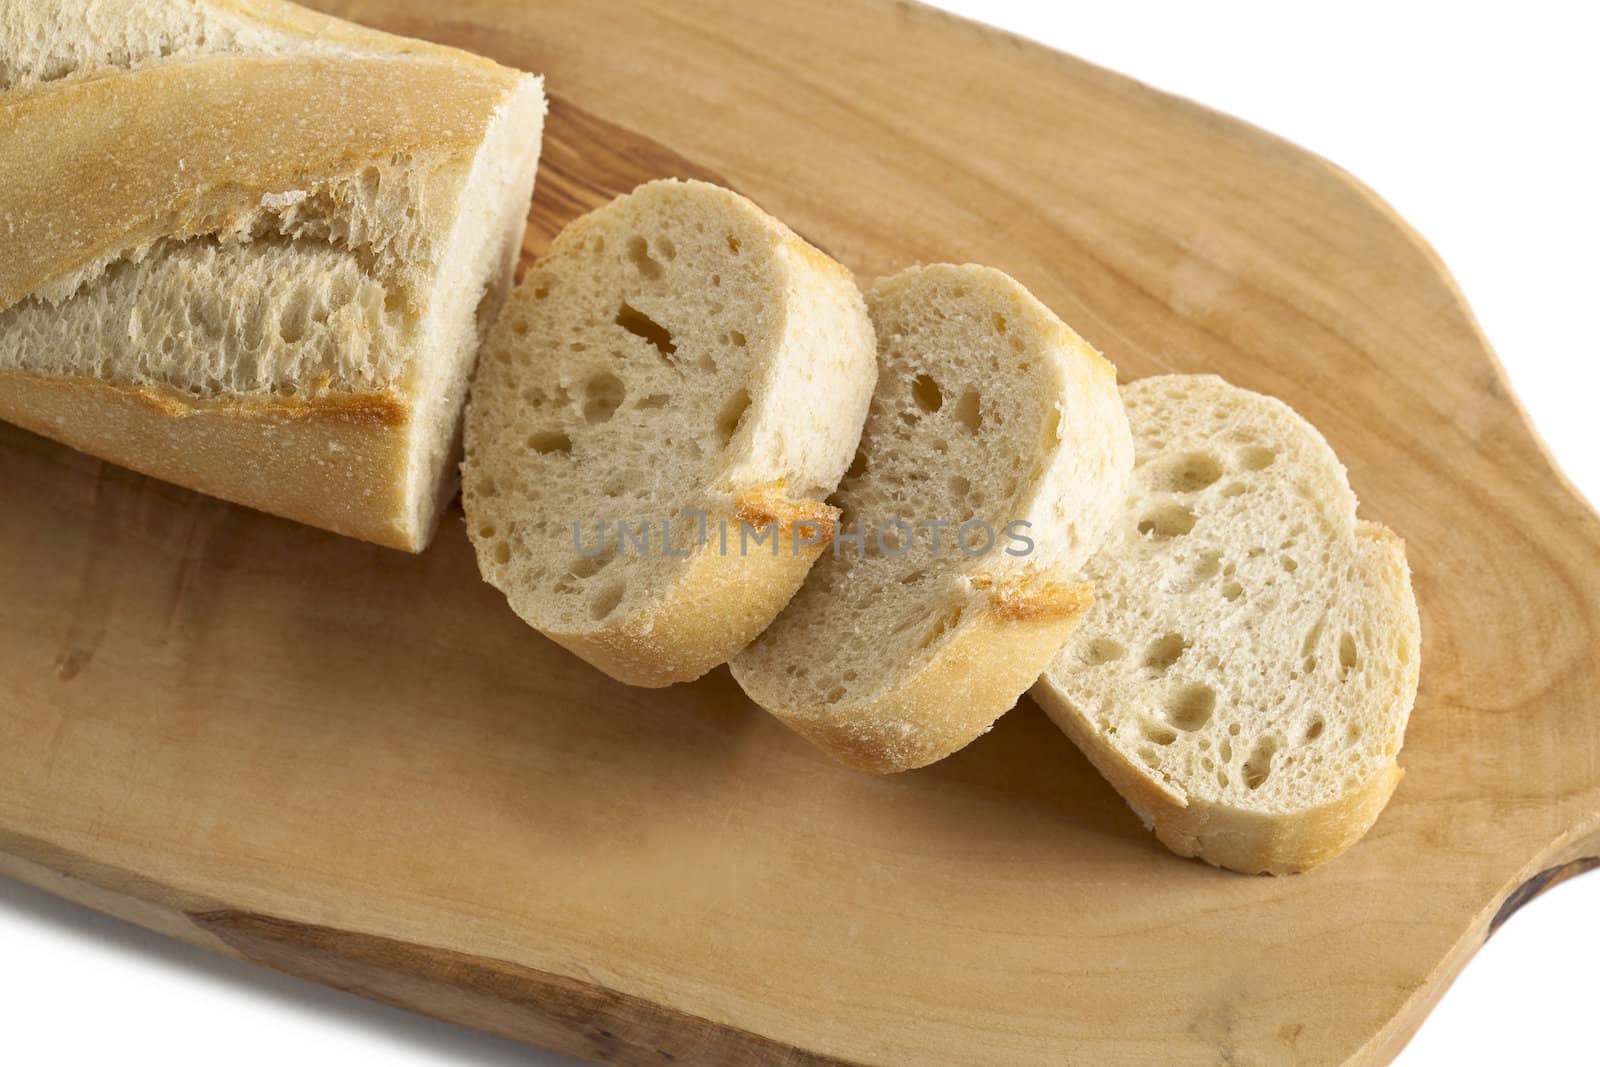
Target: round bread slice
1246	673
680	368
995	428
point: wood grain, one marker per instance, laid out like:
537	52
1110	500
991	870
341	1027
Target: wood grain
358	766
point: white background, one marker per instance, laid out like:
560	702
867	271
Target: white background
1480	126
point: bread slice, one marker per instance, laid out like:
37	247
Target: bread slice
1245	676
989	411
680	362
252	249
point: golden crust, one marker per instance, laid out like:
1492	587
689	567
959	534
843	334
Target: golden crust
1039	600
78	192
720	601
1251	842
1006	636
198	145
718	604
292	19
339	462
766	505
369	409
1254	842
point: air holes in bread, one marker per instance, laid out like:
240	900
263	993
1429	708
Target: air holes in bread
1349	659
967	411
1161	735
1258	766
1191	706
607	598
643	326
1103	650
643	262
1256	458
1232	591
858	466
926	393
1233	489
602	396
1207	566
549	442
1164	651
589	566
1172	520
1188	473
1314	730
946	622
1309	645
731	415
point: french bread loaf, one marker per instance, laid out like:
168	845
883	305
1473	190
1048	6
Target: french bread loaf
989	411
252	249
1246	673
680	363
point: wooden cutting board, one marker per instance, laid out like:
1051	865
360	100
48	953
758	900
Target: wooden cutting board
358	766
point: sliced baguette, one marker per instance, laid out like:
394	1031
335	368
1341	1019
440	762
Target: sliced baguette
678	351
252	249
988	409
1245	676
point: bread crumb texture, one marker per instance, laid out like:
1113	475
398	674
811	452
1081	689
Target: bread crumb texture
988	411
250	208
678	361
1246	672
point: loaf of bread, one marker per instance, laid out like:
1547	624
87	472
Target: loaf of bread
1245	675
251	249
682	365
996	422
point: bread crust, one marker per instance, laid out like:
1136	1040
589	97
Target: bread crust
1285	839
295	20
78	193
201	145
719	603
1007	629
337	461
1225	836
719	599
966	637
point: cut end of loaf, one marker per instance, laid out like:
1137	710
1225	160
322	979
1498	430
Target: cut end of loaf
221	278
988	412
1246	674
679	371
982	653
